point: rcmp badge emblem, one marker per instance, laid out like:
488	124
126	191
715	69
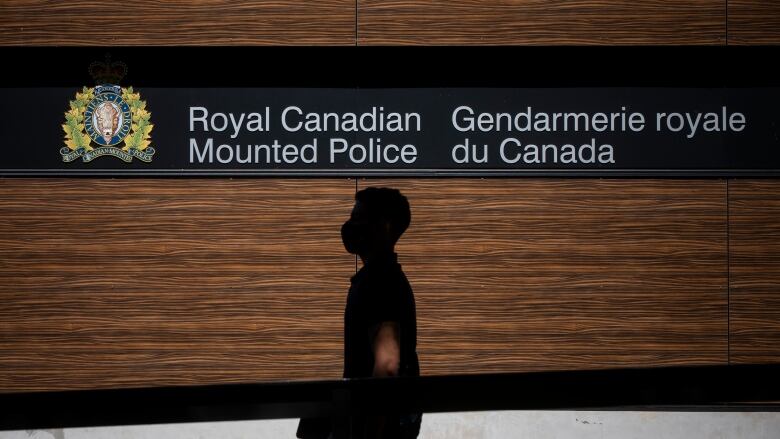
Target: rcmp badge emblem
107	119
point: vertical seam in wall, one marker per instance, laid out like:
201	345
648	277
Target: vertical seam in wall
727	41
356	37
728	276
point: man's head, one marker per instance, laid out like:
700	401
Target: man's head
379	218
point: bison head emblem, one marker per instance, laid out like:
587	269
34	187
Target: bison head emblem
107	115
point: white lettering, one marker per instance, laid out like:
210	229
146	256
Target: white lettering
207	150
202	118
291	128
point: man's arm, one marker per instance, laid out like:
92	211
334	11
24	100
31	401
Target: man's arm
387	358
387	350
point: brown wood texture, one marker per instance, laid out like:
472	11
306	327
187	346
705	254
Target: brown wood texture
541	22
754	253
535	274
179	22
753	22
151	282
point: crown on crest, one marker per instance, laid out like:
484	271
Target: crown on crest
107	72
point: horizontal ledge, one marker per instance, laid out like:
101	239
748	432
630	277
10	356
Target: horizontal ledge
353	173
686	388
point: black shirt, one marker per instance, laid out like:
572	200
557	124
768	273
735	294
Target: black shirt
379	293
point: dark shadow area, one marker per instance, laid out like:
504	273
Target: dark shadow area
688	388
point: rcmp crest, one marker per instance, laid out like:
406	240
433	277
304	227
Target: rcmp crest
107	119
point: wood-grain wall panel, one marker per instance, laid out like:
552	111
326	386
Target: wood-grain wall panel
754	253
150	282
179	22
752	22
541	22
533	274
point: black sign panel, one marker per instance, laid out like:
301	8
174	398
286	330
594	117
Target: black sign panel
157	128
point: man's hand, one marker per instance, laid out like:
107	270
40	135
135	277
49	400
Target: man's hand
387	350
387	358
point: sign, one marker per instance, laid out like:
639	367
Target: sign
286	131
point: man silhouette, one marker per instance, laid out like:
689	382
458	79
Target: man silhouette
380	326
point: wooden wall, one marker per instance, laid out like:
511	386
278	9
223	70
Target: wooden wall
753	22
143	282
533	274
131	282
179	22
534	22
149	282
754	253
367	22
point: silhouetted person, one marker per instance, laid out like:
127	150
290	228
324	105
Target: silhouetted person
380	325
